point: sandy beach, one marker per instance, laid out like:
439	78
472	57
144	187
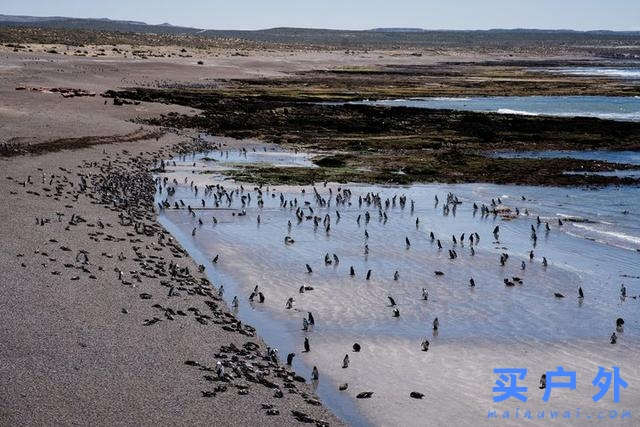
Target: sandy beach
76	349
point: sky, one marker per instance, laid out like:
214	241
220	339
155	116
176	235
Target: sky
348	14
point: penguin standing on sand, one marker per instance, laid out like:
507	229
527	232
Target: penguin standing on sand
290	357
307	346
219	370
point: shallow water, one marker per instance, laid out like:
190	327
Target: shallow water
482	328
604	107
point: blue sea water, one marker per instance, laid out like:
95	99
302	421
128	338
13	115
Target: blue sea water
603	107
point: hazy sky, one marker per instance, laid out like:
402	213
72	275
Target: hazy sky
349	14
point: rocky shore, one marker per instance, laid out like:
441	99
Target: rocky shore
366	143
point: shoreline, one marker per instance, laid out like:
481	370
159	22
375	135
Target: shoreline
98	297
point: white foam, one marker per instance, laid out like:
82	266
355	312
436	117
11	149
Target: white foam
518	112
616	234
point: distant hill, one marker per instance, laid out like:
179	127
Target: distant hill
374	38
39	19
97	24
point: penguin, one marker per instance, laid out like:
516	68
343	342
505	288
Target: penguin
425	345
234	303
356	347
396	312
614	338
472	283
290	357
425	294
311	319
396	275
580	293
352	272
345	362
309	270
368	274
391	301
436	324
307	346
314	373
219	370
260	297
543	381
